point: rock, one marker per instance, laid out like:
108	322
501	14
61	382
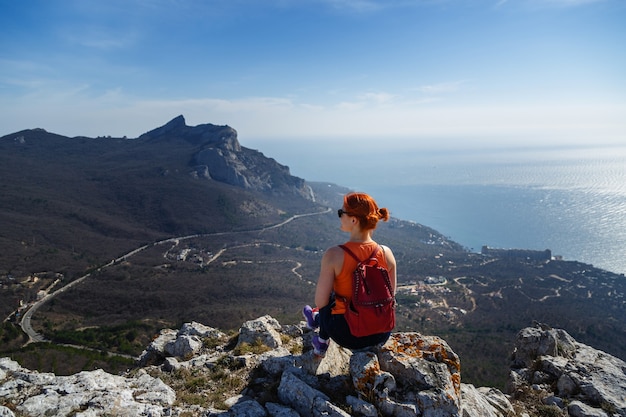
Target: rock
368	379
580	409
360	407
249	408
326	408
278	410
480	403
155	352
426	366
276	361
497	399
183	346
46	394
554	400
186	343
263	330
334	363
5	412
581	374
533	342
200	330
566	386
410	375
224	166
171	364
293	330
298	395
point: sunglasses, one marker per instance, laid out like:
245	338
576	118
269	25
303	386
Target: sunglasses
341	212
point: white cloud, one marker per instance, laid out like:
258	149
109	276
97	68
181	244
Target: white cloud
446	87
377	98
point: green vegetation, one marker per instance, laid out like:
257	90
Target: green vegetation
123	338
207	387
66	360
549	411
10	333
256	348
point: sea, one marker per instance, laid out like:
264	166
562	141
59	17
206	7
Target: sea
571	200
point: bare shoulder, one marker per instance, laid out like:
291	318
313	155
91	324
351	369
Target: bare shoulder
334	252
386	249
388	254
333	256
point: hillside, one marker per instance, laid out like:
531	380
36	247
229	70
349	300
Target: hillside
227	234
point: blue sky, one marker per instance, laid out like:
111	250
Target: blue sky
408	73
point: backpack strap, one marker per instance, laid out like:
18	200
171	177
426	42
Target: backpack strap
358	261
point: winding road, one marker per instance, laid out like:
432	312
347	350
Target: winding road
33	336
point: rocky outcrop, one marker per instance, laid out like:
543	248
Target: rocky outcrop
205	134
184	343
410	375
221	158
94	393
567	374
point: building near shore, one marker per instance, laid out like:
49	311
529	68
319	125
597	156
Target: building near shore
536	255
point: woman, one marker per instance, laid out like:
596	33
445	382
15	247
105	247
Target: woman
359	216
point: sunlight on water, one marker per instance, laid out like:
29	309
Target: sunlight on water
575	207
572	201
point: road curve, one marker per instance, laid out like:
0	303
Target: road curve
33	336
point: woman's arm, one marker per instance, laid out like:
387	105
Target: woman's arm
332	261
391	268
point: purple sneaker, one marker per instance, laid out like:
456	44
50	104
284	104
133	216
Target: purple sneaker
319	346
310	315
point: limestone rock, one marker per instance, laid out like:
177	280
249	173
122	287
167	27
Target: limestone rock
263	330
361	407
6	412
552	358
533	342
184	346
580	409
298	395
278	410
46	394
427	370
155	352
479	402
276	361
248	408
172	348
200	330
410	375
334	363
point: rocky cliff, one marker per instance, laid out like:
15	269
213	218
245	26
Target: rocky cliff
267	369
220	157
